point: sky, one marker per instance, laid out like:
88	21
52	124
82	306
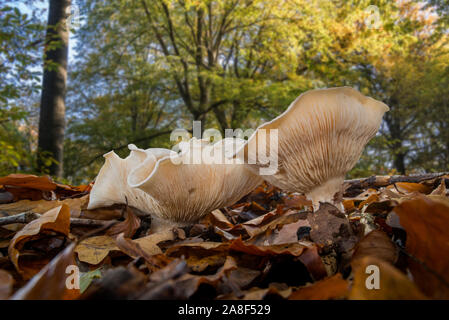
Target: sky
44	5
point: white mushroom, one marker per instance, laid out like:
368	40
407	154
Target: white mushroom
320	138
175	189
189	185
111	186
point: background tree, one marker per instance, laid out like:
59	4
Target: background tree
52	110
21	38
143	68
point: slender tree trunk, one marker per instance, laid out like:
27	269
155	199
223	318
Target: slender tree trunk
399	163
52	109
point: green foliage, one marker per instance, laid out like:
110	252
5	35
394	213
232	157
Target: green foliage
149	66
20	35
146	67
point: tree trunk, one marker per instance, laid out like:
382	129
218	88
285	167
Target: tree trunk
52	109
399	163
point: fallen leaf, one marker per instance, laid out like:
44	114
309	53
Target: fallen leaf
6	197
93	250
144	247
408	187
348	205
313	262
425	221
43	206
293	249
296	201
149	243
331	228
202	255
441	189
86	279
181	285
51	283
6	284
393	284
218	219
289	232
372	198
44	183
274	289
334	287
129	226
56	220
375	244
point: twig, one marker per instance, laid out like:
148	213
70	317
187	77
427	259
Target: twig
27	217
24	217
383	181
91	223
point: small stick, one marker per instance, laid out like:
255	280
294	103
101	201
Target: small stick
27	217
383	181
24	217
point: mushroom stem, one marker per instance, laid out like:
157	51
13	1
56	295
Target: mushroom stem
326	193
160	225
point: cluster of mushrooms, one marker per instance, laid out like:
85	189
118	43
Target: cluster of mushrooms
320	138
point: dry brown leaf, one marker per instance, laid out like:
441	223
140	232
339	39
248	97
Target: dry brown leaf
296	201
129	226
293	249
372	198
330	227
6	284
273	289
93	250
288	232
167	286
218	219
56	220
108	213
393	284
260	224
202	255
441	189
313	262
364	195
6	197
426	222
149	243
51	282
43	183
43	206
375	244
334	287
144	247
409	187
348	205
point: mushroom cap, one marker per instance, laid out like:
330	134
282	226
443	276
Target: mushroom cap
111	185
186	187
320	138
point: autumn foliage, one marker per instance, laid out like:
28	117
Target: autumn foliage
268	245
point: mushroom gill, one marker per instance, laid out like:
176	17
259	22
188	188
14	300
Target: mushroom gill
321	136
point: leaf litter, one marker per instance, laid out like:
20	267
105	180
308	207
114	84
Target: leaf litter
269	245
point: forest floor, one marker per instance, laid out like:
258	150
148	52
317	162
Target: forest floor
392	242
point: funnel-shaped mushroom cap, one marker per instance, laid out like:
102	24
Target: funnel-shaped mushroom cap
111	185
320	138
198	180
